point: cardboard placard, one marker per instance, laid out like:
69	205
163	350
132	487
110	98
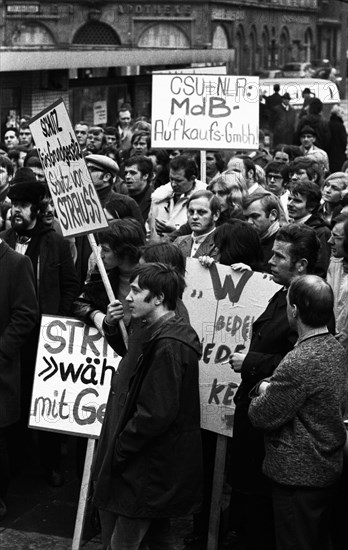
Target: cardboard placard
75	199
74	366
222	305
205	111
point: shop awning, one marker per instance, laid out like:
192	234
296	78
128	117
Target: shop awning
35	60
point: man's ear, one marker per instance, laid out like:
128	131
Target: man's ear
107	177
301	266
159	299
273	215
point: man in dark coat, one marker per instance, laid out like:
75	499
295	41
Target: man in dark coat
138	176
283	120
303	207
19	314
148	466
295	252
55	281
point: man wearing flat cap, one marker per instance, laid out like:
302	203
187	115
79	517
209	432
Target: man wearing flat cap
102	170
56	286
283	120
309	149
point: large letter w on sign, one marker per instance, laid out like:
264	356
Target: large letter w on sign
234	292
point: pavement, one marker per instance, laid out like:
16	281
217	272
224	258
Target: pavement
41	517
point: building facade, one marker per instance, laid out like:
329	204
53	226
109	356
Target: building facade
100	51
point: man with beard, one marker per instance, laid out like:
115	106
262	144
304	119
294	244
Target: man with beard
56	286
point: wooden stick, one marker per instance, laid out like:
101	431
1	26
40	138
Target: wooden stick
203	166
106	282
81	510
216	496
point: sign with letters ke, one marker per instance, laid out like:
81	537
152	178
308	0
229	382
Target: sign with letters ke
74	366
75	199
205	111
222	305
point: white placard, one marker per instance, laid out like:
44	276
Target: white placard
74	366
100	112
222	306
75	199
205	111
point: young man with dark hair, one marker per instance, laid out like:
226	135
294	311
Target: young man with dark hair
303	206
138	176
295	252
301	410
262	211
148	466
303	168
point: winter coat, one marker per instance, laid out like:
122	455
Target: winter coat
337	147
148	462
272	338
283	124
19	314
57	280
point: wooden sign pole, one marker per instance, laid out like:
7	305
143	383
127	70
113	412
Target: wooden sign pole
203	165
216	496
86	479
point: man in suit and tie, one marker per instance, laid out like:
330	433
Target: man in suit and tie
203	211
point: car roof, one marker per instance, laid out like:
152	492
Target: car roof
325	90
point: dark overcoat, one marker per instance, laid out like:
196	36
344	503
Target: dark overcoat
272	339
149	457
18	315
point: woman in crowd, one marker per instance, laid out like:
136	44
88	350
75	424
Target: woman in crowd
230	188
120	251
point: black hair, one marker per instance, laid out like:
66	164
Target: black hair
310	191
125	237
304	243
238	242
143	163
186	163
159	279
314	300
166	253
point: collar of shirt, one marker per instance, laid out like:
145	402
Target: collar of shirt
253	188
197	241
301	220
312	332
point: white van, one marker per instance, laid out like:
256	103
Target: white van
325	90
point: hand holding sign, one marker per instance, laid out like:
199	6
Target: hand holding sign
114	312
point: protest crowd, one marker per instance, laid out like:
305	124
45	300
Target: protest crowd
281	210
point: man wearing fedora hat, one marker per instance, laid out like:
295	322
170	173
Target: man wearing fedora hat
56	286
283	120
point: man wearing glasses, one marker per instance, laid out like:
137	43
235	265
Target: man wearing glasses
277	175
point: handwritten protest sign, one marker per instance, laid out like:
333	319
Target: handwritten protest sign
222	306
205	111
74	366
75	199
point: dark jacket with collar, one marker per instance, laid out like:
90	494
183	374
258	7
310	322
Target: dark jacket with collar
206	248
19	314
149	461
323	233
272	339
57	280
